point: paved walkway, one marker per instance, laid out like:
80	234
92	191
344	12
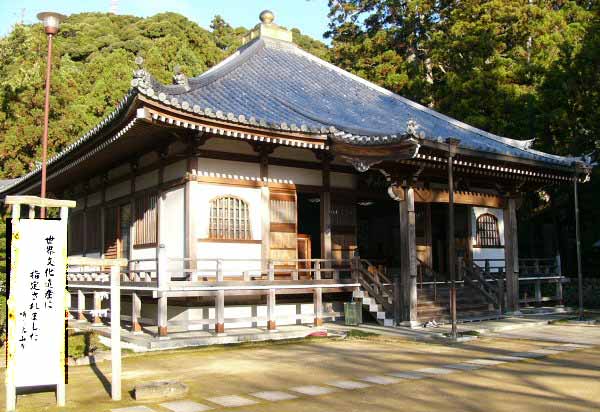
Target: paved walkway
550	368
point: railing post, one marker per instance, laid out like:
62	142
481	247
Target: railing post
219	272
317	273
355	272
487	267
162	268
558	265
559	292
318	304
80	305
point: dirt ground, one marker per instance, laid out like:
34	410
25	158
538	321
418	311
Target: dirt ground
568	381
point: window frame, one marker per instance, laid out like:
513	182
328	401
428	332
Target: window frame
491	238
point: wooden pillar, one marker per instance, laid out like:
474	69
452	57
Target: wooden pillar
136	313
97	308
220	312
428	235
511	256
190	217
578	245
115	332
408	260
452	145
326	211
265	210
318	303
162	316
271	323
80	305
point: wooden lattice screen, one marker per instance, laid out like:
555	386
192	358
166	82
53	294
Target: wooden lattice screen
229	219
488	234
145	220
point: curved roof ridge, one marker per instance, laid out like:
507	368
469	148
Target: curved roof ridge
519	144
223	68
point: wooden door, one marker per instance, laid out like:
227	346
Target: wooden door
283	234
304	253
117	224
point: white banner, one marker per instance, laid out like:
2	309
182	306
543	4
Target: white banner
39	252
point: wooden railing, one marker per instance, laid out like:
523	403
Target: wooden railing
491	287
374	281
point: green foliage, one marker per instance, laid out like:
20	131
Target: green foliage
93	61
84	344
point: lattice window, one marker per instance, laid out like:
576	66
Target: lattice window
488	234
145	220
229	219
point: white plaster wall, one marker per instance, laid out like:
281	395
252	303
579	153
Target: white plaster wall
487	253
175	170
202	194
94	199
228	145
294	153
344	180
296	175
146	180
118	190
228	168
144	253
172	226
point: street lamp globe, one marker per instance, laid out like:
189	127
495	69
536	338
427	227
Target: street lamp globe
51	21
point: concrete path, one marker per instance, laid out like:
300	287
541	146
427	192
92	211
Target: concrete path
535	371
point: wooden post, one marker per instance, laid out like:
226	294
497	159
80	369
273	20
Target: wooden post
136	313
115	332
452	145
220	312
406	289
317	272
578	245
220	302
162	315
271	323
97	307
80	305
265	210
318	304
511	256
326	211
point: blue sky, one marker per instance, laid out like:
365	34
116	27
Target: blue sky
310	16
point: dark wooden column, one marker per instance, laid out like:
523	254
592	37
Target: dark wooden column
511	255
326	209
452	145
408	258
578	245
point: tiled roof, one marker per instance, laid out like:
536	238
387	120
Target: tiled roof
274	84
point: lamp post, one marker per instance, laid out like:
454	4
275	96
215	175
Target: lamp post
51	23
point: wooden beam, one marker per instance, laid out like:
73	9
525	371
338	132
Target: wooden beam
460	197
38	201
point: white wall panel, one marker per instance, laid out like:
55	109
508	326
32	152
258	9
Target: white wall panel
487	253
118	190
296	175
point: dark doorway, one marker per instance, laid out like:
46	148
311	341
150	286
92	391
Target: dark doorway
379	232
439	234
309	221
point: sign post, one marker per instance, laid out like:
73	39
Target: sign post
36	299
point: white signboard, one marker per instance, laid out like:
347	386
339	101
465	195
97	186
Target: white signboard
39	250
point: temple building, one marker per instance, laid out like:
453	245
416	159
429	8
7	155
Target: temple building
275	186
